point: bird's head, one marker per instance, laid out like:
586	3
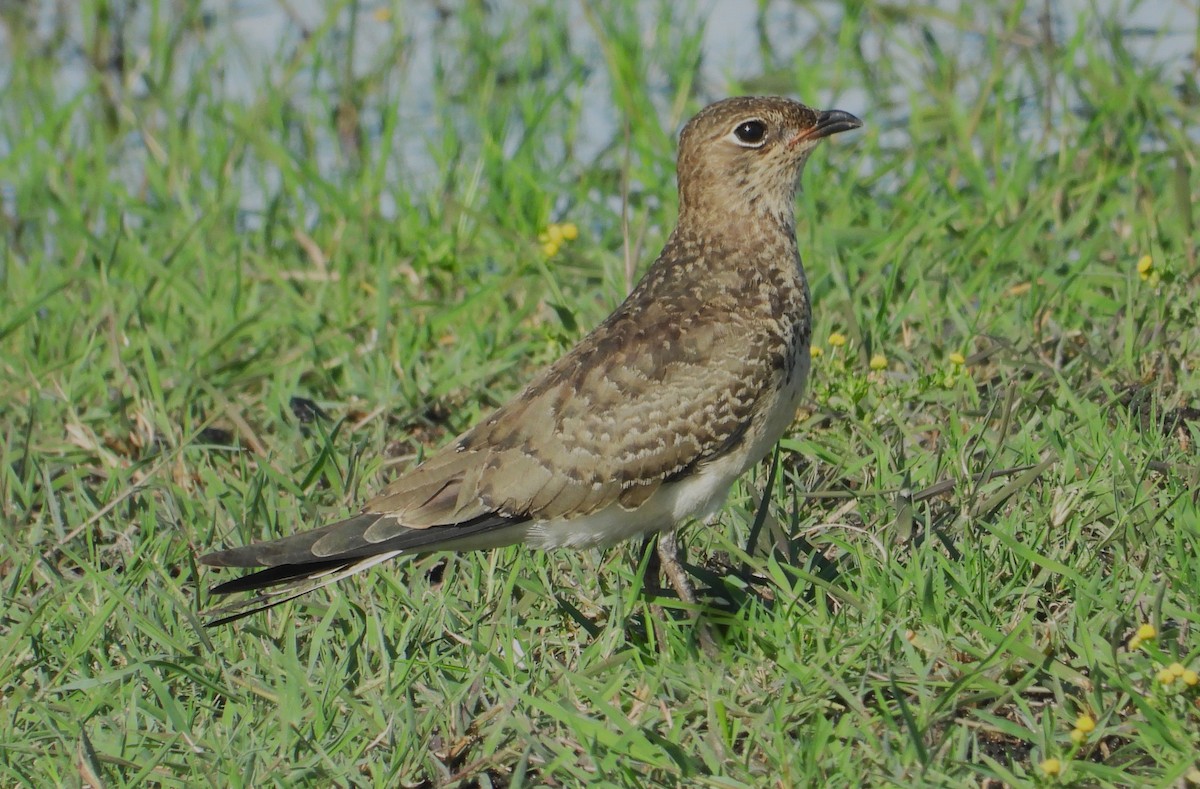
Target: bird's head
743	157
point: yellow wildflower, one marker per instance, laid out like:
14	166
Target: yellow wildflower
837	339
554	234
1176	670
569	231
815	351
1051	766
550	249
1165	676
1146	632
957	359
878	362
1078	736
1145	266
1085	724
1190	678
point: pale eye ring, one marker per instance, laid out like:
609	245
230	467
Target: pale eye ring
750	133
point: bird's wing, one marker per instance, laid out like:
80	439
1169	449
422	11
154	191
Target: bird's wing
646	398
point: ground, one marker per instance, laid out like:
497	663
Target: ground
238	298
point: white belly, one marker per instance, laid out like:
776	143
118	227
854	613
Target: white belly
697	496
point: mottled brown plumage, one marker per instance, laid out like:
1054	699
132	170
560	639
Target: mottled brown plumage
651	417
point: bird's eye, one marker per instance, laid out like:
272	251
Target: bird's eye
750	133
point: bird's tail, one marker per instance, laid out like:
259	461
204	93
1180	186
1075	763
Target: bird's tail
296	565
300	580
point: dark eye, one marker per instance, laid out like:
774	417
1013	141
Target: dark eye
750	132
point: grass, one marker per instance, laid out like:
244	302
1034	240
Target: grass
245	284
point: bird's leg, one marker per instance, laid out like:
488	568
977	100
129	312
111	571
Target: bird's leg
651	582
668	558
665	557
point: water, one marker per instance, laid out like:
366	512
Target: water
249	40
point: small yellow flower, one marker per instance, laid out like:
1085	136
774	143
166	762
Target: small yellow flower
878	362
957	359
1165	676
837	339
550	249
1135	643
1085	724
1190	678
569	231
1146	632
1145	266
1176	669
1051	766
1078	736
554	234
815	351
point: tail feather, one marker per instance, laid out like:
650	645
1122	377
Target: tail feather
276	576
315	579
297	548
295	565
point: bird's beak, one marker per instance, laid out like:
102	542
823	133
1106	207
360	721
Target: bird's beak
828	122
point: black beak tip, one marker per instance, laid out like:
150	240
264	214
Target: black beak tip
836	121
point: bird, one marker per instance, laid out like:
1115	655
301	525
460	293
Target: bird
644	424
